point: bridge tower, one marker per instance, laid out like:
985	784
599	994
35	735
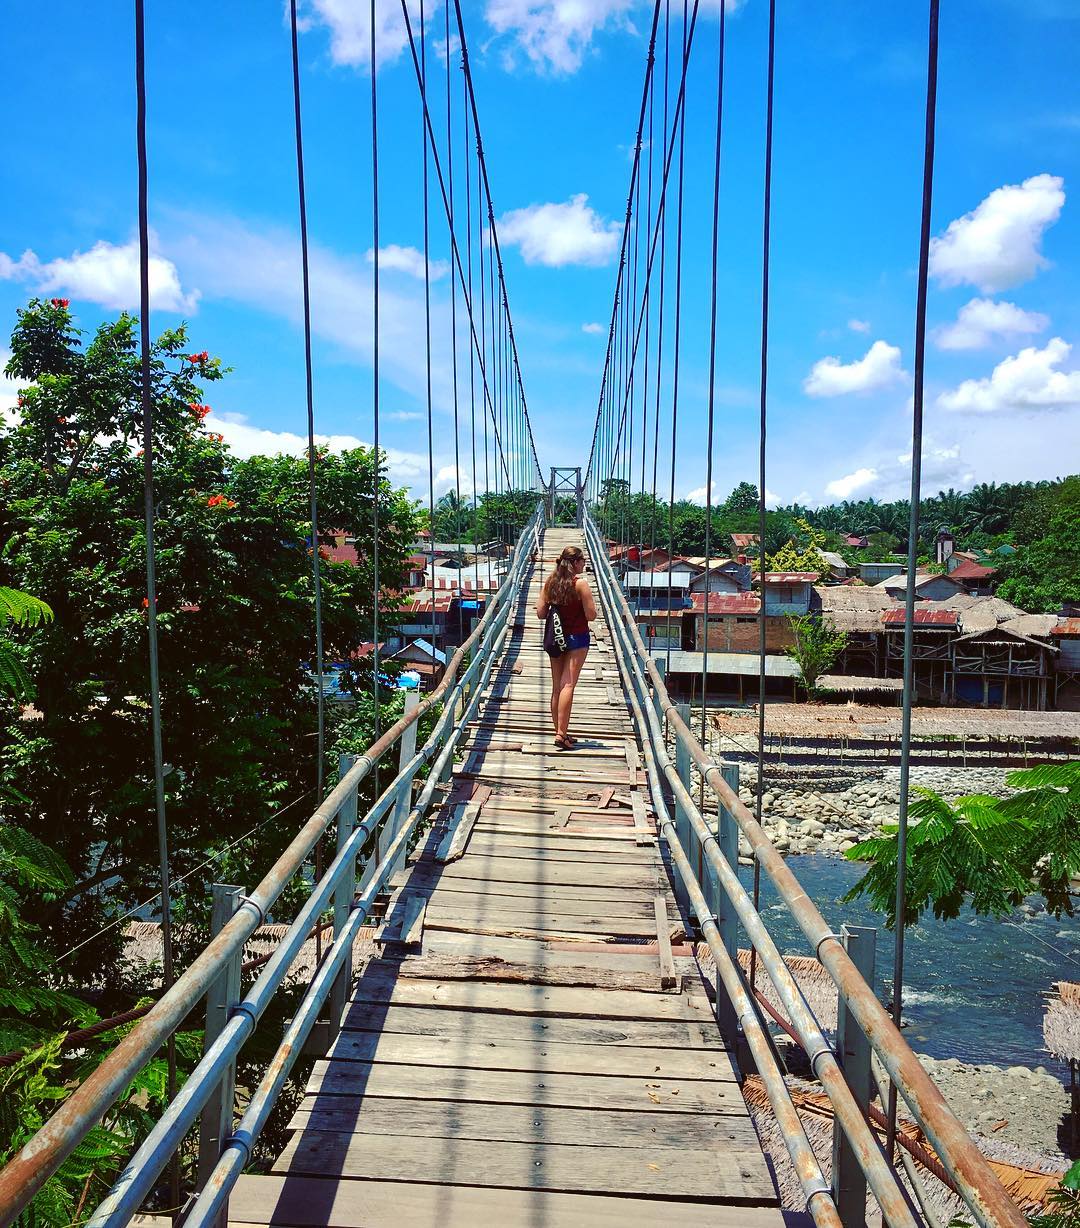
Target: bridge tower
565	481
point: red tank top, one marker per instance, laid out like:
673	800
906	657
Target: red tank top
573	617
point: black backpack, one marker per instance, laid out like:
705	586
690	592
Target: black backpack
554	636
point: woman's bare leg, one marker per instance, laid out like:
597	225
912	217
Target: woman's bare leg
557	670
571	671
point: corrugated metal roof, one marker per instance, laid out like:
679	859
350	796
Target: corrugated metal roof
1067	626
969	570
923	618
658	579
790	577
728	663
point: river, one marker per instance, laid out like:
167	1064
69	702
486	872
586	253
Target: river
974	987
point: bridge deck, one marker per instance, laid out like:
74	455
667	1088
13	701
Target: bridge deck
527	1050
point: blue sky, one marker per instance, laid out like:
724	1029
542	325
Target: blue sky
558	85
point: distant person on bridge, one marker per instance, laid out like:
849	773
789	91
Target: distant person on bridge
567	607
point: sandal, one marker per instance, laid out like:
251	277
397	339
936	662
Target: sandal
562	742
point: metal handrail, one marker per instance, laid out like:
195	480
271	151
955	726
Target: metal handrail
965	1164
43	1154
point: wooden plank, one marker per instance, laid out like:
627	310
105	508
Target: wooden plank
668	978
614	698
560	846
444	967
545	1089
605	798
563	815
526	870
643	833
521	1124
599	902
633	761
313	1202
539	1057
404	925
592	1170
379	986
457	838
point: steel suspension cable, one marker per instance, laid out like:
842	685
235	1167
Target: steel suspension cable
427	317
679	120
147	410
472	360
663	271
712	375
763	418
645	384
375	403
913	534
313	498
453	313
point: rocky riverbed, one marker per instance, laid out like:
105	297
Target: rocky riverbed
829	814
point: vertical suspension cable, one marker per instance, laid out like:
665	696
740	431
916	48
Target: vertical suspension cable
712	374
313	499
427	318
645	384
483	351
762	432
663	274
680	119
913	538
453	316
375	383
147	410
472	357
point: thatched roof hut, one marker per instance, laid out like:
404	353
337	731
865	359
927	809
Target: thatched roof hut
818	988
1061	1022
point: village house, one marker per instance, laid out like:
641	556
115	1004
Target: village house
839	567
855	541
1065	633
422	658
657	590
928	587
729	623
977	578
932	634
788	592
1004	666
856	610
745	543
874	573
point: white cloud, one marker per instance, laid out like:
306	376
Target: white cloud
998	244
880	366
555	35
594	329
845	487
9	392
407	260
983	319
259	267
859	326
1028	381
559	234
450	478
349	26
106	275
698	496
244	439
405	415
771	500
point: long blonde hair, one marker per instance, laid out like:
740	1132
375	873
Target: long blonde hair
560	587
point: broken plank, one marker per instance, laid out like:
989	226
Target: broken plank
492	968
457	838
643	833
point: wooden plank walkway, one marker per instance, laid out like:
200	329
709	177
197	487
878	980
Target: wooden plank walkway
528	1050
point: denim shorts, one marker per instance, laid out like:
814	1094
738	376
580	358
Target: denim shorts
574	642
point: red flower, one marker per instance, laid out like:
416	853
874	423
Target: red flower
217	438
60	302
198	411
146	603
20	400
219	501
198	358
62	421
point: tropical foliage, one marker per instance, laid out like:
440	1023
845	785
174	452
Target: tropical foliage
981	851
817	645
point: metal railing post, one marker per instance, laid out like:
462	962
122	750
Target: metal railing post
343	898
215	1124
727	921
853	1054
661	669
682	819
407	748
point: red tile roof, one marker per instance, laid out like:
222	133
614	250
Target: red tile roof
969	570
423	605
726	603
340	553
923	618
744	539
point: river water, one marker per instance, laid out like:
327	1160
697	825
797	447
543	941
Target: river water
973	987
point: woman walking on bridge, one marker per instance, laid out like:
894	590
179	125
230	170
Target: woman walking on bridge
566	605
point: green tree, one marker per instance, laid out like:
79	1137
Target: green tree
983	851
19	610
801	552
1042	576
744	498
817	646
235	617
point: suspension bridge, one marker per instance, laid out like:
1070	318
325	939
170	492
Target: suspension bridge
550	1023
